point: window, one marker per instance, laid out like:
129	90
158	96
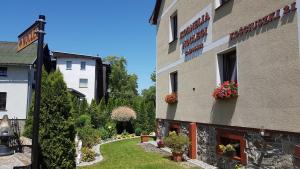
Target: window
228	66
173	82
69	65
173	28
236	139
82	65
2	100
83	83
219	3
3	71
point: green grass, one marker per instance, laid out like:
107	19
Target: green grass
128	155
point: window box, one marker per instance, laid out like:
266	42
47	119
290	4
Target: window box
171	98
226	90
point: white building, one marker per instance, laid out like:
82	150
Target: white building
17	79
84	75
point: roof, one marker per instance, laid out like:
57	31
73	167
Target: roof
57	54
9	54
154	16
76	92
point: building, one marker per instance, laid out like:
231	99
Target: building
85	76
203	44
17	78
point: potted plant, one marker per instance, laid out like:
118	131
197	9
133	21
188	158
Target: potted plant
144	137
228	150
160	143
177	143
226	90
171	98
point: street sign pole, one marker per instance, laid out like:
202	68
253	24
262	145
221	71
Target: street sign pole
36	113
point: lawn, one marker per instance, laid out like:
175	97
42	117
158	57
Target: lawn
128	155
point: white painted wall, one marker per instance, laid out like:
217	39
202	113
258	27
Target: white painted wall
18	89
72	77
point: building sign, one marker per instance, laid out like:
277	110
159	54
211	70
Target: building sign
263	21
27	37
194	34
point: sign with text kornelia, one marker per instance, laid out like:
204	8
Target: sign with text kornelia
195	34
28	37
271	17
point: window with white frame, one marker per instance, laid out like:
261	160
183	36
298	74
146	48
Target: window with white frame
83	83
3	71
227	62
173	29
69	65
173	82
219	3
82	65
3	100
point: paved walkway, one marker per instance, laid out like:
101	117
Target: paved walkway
193	161
17	159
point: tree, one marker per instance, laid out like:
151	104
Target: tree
123	86
57	131
94	112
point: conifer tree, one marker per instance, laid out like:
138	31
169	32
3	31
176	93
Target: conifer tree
57	131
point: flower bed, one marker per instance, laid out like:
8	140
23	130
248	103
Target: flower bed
226	90
171	98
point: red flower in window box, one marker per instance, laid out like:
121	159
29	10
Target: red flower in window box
171	98
226	90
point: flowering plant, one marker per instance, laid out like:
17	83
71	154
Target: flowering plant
226	90
171	98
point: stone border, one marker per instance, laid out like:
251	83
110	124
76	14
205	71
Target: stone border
96	149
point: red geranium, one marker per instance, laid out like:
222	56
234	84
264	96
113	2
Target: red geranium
226	90
171	98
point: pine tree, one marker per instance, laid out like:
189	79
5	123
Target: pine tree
57	131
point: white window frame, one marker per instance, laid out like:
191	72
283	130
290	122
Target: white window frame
219	3
219	65
68	68
81	84
171	80
171	28
82	68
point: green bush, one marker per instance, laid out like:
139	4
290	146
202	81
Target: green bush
89	136
104	134
138	131
87	154
82	121
111	129
176	143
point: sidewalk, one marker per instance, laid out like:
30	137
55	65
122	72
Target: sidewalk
193	161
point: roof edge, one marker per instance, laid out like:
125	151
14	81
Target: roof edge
154	16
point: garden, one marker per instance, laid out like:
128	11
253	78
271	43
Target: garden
129	154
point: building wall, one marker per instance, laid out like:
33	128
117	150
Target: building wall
72	77
268	67
18	88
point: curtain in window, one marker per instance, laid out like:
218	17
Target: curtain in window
229	67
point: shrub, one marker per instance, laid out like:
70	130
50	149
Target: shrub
87	154
111	129
138	131
82	121
176	143
104	134
89	136
123	113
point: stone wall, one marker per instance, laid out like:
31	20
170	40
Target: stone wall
273	151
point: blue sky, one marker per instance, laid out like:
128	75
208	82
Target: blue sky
103	27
